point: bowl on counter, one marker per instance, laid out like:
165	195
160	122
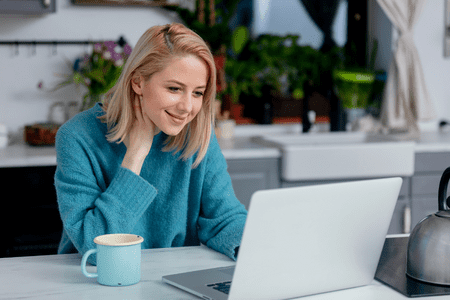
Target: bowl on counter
41	134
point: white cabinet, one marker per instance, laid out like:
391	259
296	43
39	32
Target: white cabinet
251	175
418	196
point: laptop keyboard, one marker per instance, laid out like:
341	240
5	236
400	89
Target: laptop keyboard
223	287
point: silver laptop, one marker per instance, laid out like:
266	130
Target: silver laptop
303	241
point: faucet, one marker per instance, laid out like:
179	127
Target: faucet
336	114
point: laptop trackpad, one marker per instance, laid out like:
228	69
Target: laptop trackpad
229	271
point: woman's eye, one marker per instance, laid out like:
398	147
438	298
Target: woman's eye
199	94
174	89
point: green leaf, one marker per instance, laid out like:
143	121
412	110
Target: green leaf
240	38
96	75
78	78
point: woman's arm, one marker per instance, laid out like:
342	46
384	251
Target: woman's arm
139	140
222	217
90	205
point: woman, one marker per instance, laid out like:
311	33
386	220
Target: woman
146	161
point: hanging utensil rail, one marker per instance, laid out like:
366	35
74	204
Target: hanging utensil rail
33	43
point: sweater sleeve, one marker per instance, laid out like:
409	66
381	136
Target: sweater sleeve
88	210
222	217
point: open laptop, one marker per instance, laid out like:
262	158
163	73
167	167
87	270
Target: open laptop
304	241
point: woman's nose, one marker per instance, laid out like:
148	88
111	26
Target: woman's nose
185	104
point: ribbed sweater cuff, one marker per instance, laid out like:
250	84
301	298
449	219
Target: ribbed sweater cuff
133	193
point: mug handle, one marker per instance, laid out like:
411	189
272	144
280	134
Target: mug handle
83	264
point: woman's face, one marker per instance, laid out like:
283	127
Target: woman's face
173	97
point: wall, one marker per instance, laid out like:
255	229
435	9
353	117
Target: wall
429	38
21	102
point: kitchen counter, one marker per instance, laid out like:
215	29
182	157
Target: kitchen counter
433	142
23	155
244	148
59	277
20	154
240	147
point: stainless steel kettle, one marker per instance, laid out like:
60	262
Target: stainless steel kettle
428	256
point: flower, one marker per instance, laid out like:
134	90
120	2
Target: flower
98	71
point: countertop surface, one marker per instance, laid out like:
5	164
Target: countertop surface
433	142
23	155
241	146
59	277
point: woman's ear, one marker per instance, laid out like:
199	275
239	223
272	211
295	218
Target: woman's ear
137	83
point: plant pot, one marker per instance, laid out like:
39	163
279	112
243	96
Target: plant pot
353	88
352	115
237	111
225	129
41	134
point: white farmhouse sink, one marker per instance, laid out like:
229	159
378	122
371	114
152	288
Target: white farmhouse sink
340	155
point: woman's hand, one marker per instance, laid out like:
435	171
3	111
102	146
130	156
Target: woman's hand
139	140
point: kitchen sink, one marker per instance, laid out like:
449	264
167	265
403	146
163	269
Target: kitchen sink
340	155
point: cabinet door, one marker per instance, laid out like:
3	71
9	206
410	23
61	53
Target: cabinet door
27	6
251	175
31	201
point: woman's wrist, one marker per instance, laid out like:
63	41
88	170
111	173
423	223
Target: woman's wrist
133	162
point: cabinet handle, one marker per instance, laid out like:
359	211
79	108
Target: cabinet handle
406	219
46	2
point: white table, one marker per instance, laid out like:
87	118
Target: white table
59	277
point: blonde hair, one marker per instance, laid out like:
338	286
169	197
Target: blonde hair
154	50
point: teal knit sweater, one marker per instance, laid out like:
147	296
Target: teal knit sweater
169	204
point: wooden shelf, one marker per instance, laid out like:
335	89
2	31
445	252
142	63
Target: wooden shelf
142	3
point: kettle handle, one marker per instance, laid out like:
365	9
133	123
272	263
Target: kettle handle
443	189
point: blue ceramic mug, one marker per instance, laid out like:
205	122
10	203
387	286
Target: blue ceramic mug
118	259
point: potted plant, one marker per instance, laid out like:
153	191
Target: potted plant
354	87
272	57
241	74
242	79
210	20
354	84
98	71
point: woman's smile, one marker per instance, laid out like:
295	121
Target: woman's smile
177	119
